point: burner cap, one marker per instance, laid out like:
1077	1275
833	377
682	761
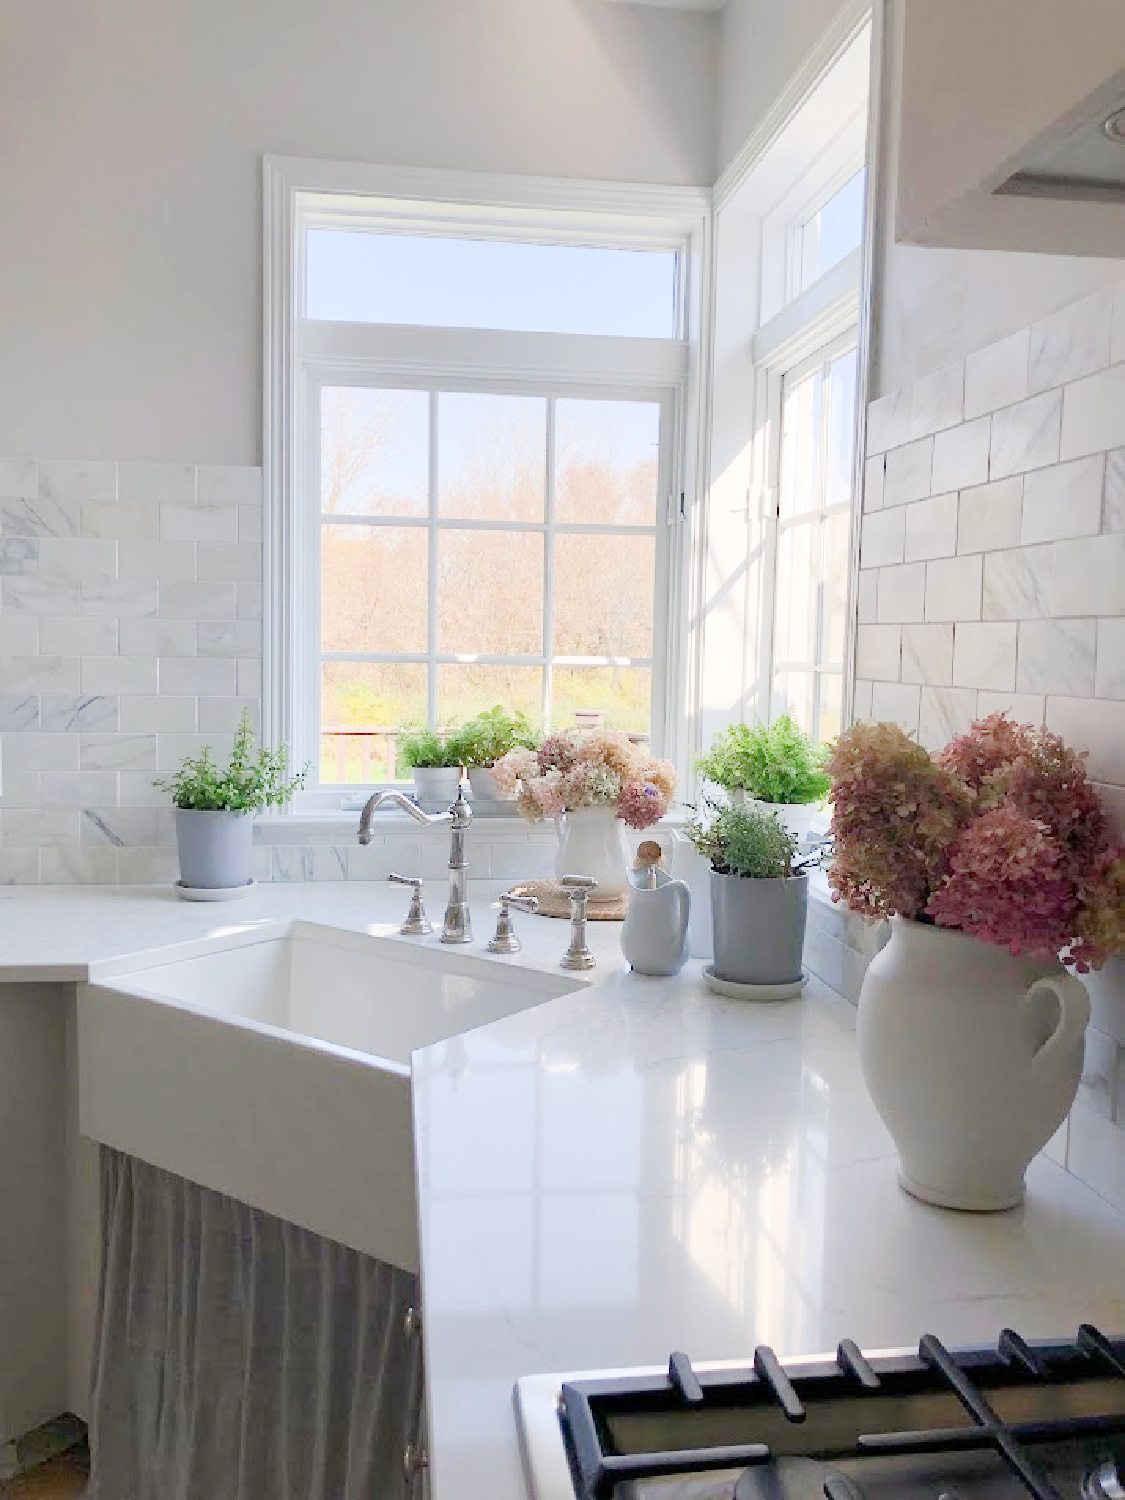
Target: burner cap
795	1479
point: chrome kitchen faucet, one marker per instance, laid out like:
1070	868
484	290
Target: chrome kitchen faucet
456	926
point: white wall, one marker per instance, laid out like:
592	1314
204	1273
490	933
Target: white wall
934	306
133	132
763	44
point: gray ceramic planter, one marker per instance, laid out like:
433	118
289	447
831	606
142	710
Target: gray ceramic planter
216	848
759	928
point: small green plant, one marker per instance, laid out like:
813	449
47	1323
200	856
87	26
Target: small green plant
491	734
775	762
249	783
744	840
426	749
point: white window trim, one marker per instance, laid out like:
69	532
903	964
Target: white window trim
293	353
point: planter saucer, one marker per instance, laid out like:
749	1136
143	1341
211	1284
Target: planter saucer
734	991
212	893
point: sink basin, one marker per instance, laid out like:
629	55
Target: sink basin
276	1068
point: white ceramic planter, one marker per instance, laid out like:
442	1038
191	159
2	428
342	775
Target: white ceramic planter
216	848
973	1059
483	786
758	928
795	816
436	786
592	842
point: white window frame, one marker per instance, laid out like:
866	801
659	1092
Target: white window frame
300	355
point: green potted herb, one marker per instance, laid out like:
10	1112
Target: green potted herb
776	764
484	740
758	903
435	759
215	809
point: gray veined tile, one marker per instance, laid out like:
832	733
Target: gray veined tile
937	400
1064	500
961	456
1057	656
1113	518
19	555
66	711
1071	343
888	421
1094	413
19	478
40	516
927	654
33	595
989	516
77	479
908	472
997	375
19	711
1110	681
1018	582
1026	436
944	712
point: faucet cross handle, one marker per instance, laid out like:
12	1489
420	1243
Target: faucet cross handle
416	923
578	888
504	939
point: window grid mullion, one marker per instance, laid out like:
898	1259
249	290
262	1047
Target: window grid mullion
432	558
548	683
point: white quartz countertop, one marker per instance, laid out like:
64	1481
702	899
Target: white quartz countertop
637	1167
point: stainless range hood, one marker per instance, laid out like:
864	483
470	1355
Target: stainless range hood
1082	161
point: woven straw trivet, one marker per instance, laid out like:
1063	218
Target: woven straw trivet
554	902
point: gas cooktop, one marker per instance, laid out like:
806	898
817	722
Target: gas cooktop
1039	1418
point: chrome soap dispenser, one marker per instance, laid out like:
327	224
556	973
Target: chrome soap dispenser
654	938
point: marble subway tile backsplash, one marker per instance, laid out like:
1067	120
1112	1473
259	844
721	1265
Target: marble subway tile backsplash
1022	605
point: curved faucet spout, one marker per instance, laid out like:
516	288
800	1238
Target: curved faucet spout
400	799
456	927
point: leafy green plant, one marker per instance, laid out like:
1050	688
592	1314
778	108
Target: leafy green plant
250	782
426	749
491	734
775	762
744	840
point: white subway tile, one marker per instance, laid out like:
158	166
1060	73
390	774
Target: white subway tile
20	789
77	557
961	456
874	473
937	400
19	555
878	652
18	711
927	654
127	598
137	789
236	563
62	635
888	421
989	516
158	638
30	829
1018	583
120	520
896	703
1056	656
199	523
157	482
1095	1155
377	861
19	635
997	375
173	749
1071	343
1117	334
172	562
1025	708
229	484
42	596
1099	1074
1063	501
250	523
984	655
19	867
117	752
249	676
77	479
1093	724
222	715
1026	436
163	715
63	713
147	866
312	862
931	528
908	472
1094	413
40	752
40	674
180	676
78	867
118	674
867	595
943	713
229	638
249	601
41	516
78	788
197	601
953	588
19	478
902	593
861	703
881	538
1114	515
121	827
1088	577
1109	681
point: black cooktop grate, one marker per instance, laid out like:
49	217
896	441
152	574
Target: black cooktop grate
825	1411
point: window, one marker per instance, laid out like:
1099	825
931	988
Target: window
479	412
825	236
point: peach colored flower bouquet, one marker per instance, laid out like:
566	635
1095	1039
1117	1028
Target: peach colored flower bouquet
598	768
1002	835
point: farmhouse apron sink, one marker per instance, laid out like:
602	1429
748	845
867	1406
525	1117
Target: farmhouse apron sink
276	1069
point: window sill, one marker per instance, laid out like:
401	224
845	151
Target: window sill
337	826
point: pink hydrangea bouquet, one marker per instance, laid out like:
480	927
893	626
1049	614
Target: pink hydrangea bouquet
1002	836
576	768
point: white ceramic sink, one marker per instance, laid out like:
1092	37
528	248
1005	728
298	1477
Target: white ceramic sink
276	1068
